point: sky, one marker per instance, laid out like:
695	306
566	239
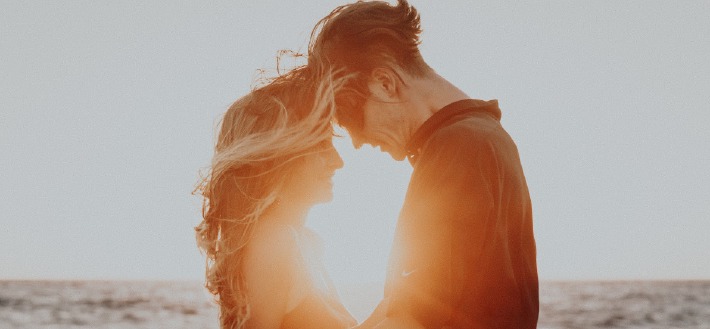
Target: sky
108	113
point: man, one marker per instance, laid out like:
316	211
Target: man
464	252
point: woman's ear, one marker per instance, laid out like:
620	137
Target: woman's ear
384	84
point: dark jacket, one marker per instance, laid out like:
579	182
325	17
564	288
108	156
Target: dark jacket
464	253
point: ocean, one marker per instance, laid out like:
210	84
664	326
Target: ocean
151	304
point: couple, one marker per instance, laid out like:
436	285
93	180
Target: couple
463	254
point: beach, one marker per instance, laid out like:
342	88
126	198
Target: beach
186	304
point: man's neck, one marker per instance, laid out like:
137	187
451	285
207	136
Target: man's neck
429	94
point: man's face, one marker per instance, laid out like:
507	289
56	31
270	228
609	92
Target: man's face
383	125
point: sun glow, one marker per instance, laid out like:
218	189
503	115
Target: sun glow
357	227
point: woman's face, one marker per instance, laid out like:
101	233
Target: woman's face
311	180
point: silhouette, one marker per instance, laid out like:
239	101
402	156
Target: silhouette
464	252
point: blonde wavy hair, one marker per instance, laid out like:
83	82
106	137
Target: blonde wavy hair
260	135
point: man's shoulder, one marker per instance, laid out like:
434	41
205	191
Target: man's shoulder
468	129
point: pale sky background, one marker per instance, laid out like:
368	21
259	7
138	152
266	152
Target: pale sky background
108	111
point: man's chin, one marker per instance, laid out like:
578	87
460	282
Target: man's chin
398	156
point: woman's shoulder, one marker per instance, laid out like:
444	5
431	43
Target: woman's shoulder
272	247
275	262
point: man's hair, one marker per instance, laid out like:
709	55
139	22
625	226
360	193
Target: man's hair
356	38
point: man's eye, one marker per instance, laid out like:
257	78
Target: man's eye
324	145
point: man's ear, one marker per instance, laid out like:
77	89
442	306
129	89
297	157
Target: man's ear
384	84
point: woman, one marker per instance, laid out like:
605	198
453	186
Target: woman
273	160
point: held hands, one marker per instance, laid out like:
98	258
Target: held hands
377	316
379	320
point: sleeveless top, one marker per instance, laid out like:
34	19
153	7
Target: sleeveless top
321	307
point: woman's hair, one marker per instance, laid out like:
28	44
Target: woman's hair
260	134
361	36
